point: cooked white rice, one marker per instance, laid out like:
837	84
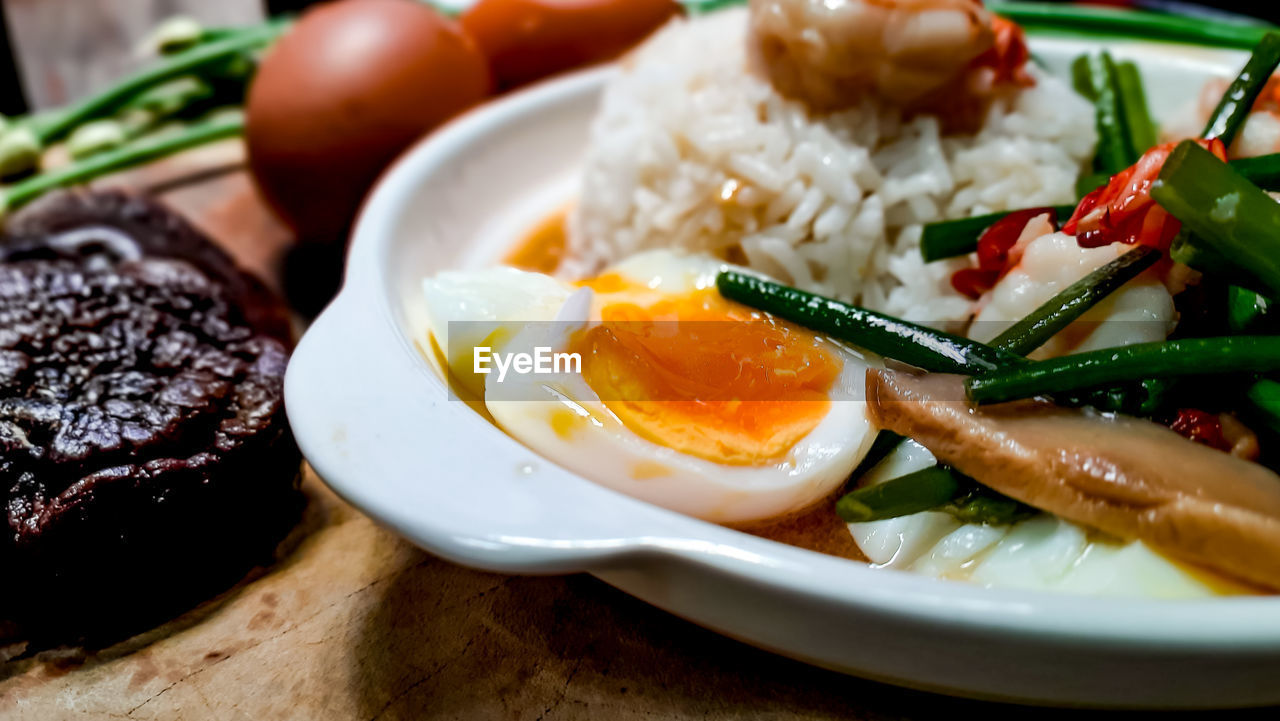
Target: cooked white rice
690	150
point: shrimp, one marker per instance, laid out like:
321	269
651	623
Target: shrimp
1141	311
1260	134
832	54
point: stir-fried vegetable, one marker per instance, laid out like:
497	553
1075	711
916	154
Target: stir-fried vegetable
980	504
1094	22
906	342
1074	301
1136	379
1264	402
1237	102
951	238
916	345
1233	216
984	505
1143	133
1096	78
1113	366
1263	170
923	490
940	488
1246	309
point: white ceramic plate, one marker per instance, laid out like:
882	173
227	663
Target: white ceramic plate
378	425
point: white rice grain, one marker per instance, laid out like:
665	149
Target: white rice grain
690	150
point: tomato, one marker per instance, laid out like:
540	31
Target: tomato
351	85
526	40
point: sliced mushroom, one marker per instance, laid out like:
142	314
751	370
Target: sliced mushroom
1125	476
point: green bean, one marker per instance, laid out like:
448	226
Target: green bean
1112	366
886	442
1090	182
1246	309
951	238
923	490
1194	252
1232	215
1237	102
985	506
1087	21
1095	78
1093	22
915	345
1263	171
1062	309
1143	133
1264	401
1143	398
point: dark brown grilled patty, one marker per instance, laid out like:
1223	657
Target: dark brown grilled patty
145	458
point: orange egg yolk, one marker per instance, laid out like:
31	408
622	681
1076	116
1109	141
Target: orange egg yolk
724	383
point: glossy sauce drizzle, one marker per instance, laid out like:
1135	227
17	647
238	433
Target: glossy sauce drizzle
543	249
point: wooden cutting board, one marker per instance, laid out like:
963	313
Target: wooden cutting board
353	623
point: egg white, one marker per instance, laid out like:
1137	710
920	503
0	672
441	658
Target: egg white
561	417
486	307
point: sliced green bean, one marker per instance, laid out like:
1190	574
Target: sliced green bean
1231	214
915	345
1064	308
951	238
1143	133
980	504
1095	78
1092	22
1264	401
986	506
886	442
1263	171
1090	182
1114	366
923	490
1237	102
1195	252
1246	309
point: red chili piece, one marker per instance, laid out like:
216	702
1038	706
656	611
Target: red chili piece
1201	427
1122	211
994	246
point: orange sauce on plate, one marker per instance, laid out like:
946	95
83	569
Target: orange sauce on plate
543	248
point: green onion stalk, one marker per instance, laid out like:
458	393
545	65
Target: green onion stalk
18	194
198	70
201	57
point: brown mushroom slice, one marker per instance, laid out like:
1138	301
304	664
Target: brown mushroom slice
1125	476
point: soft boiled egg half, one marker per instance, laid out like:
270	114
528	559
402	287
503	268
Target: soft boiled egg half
644	379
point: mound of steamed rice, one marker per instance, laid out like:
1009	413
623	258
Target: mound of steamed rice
690	150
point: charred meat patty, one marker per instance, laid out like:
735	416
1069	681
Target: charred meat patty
145	458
